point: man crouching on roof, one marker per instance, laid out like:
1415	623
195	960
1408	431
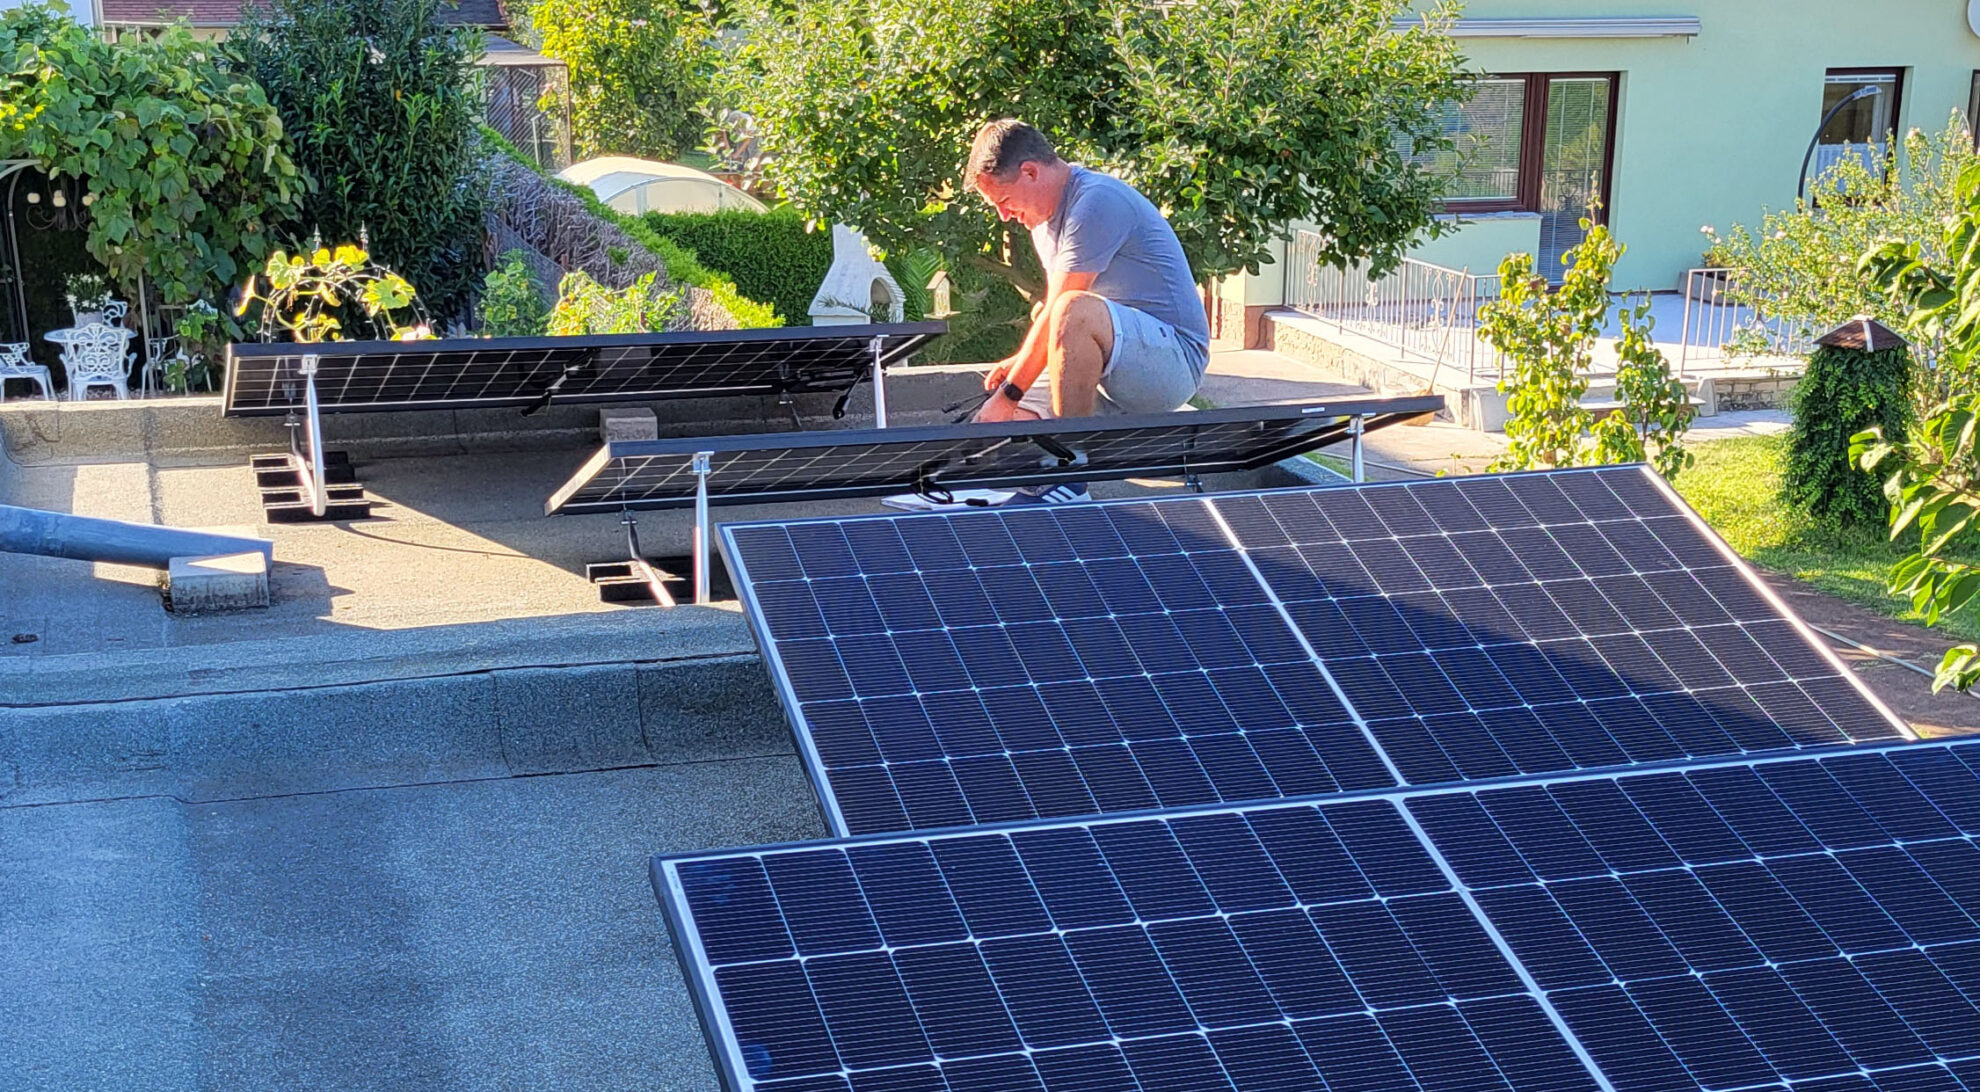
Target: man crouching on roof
1122	328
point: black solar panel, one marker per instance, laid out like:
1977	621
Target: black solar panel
1004	666
824	465
1776	923
393	375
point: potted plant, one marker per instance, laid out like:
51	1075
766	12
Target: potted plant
201	337
88	294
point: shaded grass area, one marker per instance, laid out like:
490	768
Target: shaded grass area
1735	485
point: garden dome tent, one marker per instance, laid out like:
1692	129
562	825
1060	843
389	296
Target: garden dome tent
642	185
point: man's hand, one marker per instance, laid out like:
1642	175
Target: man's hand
997	408
998	374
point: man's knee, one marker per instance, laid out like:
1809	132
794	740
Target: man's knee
1079	314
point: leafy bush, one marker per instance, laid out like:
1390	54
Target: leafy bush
772	256
1656	408
1800	265
1842	393
511	305
1548	337
586	307
382	101
186	171
639	71
1932	476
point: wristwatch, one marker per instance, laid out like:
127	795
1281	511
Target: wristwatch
1012	391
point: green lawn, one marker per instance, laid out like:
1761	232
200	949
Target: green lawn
1734	485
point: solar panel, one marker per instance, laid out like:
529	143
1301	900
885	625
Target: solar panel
1766	922
358	376
865	463
1273	949
1057	661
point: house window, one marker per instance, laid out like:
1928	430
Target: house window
1534	142
1866	104
1973	111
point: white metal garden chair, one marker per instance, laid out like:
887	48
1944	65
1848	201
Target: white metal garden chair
94	356
15	364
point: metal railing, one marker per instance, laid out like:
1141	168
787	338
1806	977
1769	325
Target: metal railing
1425	311
1715	326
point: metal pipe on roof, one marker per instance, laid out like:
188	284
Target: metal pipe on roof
88	538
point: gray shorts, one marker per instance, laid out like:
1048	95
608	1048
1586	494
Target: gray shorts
1151	370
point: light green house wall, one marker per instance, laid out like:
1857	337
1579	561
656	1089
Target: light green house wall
1711	129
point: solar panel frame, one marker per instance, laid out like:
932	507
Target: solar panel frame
836	811
265	379
780	467
1955	819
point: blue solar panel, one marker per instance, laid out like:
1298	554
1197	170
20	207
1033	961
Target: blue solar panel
1765	925
1773	922
1289	948
998	667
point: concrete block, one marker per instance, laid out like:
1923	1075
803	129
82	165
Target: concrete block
617	423
217	582
1707	395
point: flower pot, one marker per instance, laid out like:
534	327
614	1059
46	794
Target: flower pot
84	318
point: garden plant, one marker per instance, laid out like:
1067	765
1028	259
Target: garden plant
1548	336
1932	475
185	172
381	102
305	297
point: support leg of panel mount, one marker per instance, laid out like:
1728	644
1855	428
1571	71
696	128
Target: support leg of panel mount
640	569
1355	431
308	483
309	465
879	385
701	528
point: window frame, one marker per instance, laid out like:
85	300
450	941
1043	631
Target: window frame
1533	146
1896	78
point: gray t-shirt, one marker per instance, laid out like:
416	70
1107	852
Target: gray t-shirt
1106	226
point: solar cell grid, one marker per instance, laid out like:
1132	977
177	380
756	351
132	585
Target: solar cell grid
1210	952
1038	670
352	376
1773	922
1007	666
794	466
1809	923
1581	601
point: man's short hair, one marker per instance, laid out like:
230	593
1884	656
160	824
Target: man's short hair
1004	145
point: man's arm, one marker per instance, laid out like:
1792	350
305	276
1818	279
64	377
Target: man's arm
1025	366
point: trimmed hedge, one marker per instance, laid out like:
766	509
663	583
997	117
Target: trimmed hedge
682	265
771	255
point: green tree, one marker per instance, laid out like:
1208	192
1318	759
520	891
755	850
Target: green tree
1235	117
184	163
381	100
639	71
1800	266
